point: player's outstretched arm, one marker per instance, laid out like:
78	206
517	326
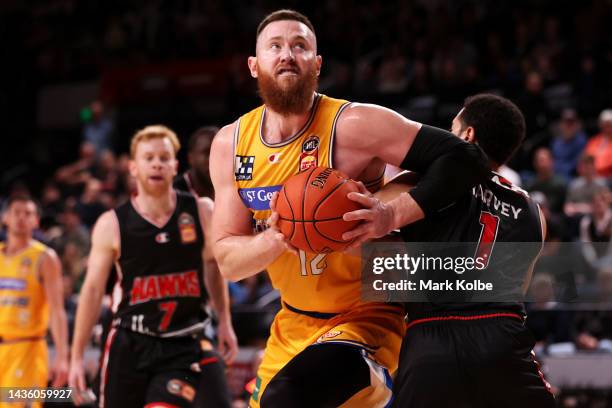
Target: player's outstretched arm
104	250
239	253
448	166
51	272
216	286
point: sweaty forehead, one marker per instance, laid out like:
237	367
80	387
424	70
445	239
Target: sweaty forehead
287	29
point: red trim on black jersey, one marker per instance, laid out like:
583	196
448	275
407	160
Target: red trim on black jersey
462	318
160	405
104	371
209	360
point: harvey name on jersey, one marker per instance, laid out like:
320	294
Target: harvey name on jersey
488	198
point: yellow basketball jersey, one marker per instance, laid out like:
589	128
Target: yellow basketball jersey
328	283
23	304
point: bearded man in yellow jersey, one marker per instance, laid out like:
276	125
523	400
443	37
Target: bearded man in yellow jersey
327	347
31	300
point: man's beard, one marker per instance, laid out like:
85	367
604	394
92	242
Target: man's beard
294	99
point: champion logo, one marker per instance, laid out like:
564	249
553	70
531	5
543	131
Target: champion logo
162	238
274	158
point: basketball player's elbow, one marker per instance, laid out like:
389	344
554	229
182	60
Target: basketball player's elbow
224	261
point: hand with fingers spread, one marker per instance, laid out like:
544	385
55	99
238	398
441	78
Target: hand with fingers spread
273	231
378	217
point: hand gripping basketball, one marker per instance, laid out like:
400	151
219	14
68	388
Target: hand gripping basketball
310	207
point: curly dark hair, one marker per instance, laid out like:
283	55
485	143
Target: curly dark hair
498	124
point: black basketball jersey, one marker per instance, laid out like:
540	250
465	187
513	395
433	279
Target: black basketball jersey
159	290
495	211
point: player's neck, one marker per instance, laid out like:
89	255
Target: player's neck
280	127
16	243
155	208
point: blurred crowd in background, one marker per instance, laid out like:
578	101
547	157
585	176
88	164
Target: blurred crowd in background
421	58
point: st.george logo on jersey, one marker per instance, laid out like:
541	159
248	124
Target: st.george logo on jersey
187	228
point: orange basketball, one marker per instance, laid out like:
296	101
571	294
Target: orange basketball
310	207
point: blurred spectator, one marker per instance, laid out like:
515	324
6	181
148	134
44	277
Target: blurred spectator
546	181
90	205
99	130
50	204
107	172
339	84
600	146
568	144
596	228
393	72
71	240
74	175
581	189
556	229
534	107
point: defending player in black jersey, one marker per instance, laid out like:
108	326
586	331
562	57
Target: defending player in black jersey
155	354
196	179
477	354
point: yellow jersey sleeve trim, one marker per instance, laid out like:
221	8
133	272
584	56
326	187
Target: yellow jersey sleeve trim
333	134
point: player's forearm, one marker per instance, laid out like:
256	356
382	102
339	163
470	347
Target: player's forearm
216	285
239	257
86	317
405	210
58	324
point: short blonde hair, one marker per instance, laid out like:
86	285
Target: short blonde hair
154	132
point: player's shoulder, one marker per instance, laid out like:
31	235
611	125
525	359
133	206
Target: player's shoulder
38	246
206	203
106	224
224	139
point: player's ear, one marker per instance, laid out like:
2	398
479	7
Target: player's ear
132	167
252	62
469	135
319	63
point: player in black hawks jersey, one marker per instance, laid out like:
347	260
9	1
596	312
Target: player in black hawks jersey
477	354
156	354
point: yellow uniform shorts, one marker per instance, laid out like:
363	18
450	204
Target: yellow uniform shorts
376	328
24	365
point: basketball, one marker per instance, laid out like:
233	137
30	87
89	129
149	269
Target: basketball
310	207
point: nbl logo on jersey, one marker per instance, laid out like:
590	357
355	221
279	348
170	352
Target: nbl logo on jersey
310	153
243	167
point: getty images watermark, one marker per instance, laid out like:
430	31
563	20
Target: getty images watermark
412	264
495	272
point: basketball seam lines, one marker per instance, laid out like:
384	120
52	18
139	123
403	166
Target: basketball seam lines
319	204
321	220
292	215
304	209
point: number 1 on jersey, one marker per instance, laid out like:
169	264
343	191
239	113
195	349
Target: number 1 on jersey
317	264
488	234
